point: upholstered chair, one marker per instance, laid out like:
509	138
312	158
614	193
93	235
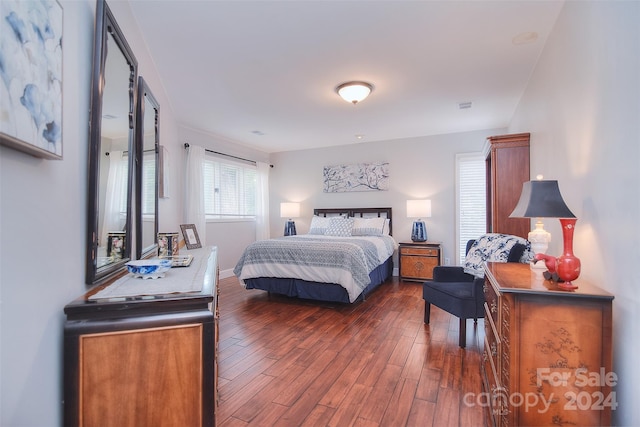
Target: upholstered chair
460	292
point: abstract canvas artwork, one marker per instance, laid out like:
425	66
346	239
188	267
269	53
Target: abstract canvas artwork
356	177
31	77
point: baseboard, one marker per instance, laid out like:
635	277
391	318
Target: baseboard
226	273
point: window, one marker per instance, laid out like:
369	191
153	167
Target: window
229	189
149	183
471	197
118	182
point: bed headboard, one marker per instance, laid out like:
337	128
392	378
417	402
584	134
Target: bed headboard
358	212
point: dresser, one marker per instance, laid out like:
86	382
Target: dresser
146	359
547	356
507	168
417	260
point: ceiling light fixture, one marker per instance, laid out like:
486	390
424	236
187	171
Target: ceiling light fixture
354	92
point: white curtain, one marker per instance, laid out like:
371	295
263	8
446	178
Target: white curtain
194	193
262	202
114	217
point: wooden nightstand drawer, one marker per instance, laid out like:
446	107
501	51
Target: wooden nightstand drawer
420	251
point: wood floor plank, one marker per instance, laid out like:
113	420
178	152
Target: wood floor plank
347	413
237	385
422	413
381	392
340	388
296	388
415	361
448	408
308	401
399	407
227	408
429	385
286	362
318	417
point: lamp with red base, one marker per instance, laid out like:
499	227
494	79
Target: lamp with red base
542	199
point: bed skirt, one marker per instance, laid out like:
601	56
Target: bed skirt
319	291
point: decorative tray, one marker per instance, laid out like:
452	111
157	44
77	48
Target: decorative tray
179	260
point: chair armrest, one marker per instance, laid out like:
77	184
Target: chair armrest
447	273
478	286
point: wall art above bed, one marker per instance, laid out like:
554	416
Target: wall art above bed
356	177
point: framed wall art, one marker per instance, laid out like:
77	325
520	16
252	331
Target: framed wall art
31	77
356	177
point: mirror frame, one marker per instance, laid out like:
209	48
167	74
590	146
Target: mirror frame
146	103
106	25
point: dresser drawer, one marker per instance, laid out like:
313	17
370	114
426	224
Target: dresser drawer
492	302
492	385
492	339
419	251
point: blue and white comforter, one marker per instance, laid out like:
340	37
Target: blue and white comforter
346	261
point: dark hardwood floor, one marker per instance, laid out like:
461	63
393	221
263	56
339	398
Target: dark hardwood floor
289	362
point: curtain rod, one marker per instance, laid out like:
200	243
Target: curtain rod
127	151
186	145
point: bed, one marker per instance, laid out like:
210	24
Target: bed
346	255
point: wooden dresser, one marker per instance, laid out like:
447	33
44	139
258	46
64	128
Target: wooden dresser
144	360
547	353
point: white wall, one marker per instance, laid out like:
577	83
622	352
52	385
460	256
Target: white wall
42	241
42	229
418	168
582	107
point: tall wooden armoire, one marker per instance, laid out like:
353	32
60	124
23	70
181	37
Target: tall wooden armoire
507	159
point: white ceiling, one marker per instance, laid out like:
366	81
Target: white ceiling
263	73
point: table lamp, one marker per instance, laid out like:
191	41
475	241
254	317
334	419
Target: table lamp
542	199
289	210
419	209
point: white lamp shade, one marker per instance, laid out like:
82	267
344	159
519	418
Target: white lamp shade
418	208
289	210
354	92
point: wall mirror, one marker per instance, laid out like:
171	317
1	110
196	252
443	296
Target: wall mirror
111	150
147	149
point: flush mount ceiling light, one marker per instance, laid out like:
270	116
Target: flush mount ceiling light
354	92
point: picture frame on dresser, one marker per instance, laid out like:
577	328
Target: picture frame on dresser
190	234
31	111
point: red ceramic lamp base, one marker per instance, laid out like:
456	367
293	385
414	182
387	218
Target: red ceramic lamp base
567	285
568	265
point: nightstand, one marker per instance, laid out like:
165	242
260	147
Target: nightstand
417	260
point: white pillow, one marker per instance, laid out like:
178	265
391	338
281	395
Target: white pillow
386	229
340	227
318	225
368	226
